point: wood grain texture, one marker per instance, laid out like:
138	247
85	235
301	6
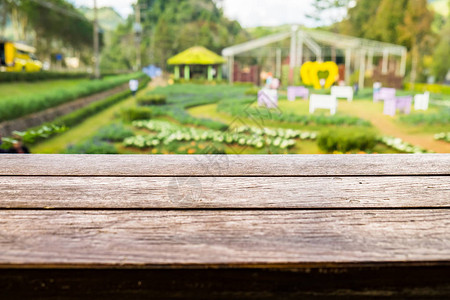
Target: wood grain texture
207	238
225	192
225	165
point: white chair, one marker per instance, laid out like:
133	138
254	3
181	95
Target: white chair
323	101
421	101
345	92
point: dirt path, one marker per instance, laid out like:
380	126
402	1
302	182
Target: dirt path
388	126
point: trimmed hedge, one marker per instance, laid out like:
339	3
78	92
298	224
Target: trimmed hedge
136	113
347	139
151	99
39	76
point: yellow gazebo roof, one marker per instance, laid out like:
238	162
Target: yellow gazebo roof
196	56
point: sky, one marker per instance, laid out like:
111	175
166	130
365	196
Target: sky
249	13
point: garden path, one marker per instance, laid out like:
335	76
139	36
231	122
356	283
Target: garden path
388	126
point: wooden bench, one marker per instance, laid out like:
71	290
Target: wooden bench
224	227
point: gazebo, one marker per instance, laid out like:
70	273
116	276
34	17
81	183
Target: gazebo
197	60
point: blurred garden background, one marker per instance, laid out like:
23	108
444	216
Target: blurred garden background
201	65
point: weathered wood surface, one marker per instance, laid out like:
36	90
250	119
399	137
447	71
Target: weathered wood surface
224	227
225	192
225	165
212	239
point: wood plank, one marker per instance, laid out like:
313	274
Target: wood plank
224	192
55	239
225	165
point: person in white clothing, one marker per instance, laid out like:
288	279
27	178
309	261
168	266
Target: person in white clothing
134	85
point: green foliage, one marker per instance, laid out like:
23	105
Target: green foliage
38	76
244	136
33	135
151	99
11	108
441	57
52	25
252	91
404	22
94	146
432	88
443	136
174	26
113	133
440	118
130	114
400	145
346	139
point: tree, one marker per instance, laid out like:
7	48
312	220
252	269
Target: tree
415	33
441	57
322	6
360	17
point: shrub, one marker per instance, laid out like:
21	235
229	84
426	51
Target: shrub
136	113
252	91
114	133
151	99
94	146
346	140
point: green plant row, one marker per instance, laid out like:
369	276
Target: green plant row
12	108
400	145
242	109
440	118
32	135
151	99
443	136
168	133
39	76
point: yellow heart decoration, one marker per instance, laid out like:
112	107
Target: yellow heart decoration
310	73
